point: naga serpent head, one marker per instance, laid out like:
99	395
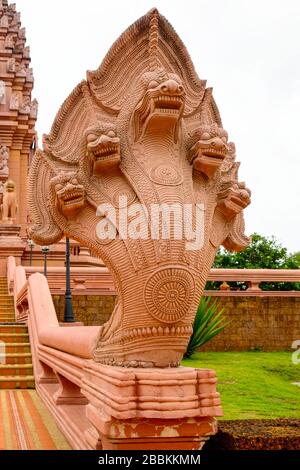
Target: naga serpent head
233	198
162	103
70	195
210	149
103	147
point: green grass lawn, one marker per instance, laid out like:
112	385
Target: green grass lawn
254	385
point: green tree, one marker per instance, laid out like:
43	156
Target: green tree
262	253
296	257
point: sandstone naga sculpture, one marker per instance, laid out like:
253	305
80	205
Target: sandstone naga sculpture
143	128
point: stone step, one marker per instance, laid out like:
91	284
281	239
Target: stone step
17	348
13	328
7	319
15	369
15	382
16	359
11	337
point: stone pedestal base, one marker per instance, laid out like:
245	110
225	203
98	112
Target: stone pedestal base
152	434
171	409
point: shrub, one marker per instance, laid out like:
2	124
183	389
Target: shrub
209	321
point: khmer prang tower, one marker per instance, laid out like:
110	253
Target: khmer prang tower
18	112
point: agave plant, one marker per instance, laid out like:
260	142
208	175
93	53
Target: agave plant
209	321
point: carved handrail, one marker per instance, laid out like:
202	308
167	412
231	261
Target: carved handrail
21	304
11	266
66	376
255	275
84	280
98	281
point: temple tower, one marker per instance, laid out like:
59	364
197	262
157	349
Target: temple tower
18	113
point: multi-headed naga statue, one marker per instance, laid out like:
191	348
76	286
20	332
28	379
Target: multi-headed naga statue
143	128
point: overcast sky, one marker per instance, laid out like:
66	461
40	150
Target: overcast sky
248	50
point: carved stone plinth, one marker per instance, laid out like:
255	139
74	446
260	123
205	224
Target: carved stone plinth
150	409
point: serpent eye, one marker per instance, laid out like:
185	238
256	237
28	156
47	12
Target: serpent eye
111	134
205	136
153	84
91	137
74	181
58	187
224	138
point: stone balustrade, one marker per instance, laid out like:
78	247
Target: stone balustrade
98	280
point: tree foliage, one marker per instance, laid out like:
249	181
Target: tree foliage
262	253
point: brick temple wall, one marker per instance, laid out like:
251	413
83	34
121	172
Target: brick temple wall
266	323
89	309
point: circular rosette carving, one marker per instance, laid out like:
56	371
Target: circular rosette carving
165	175
168	294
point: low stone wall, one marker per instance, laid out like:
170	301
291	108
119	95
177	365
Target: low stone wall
89	309
266	323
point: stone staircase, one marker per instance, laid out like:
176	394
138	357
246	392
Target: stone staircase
16	370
